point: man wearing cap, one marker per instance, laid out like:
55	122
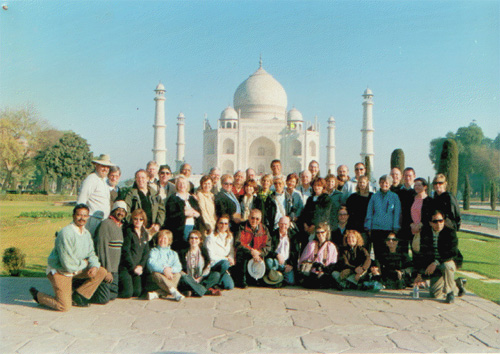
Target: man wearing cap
95	193
108	242
252	242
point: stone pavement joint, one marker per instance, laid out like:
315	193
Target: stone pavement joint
255	320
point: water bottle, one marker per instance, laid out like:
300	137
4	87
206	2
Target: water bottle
416	292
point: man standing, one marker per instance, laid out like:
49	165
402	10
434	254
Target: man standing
305	188
186	170
382	215
108	245
252	242
113	179
227	203
342	176
440	259
215	177
95	193
73	257
165	187
406	195
152	170
396	179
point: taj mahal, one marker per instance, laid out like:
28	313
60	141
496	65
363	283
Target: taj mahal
258	129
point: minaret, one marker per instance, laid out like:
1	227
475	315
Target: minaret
330	148
181	141
159	148
367	130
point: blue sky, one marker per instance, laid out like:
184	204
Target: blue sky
92	66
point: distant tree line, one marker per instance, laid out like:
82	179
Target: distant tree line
35	157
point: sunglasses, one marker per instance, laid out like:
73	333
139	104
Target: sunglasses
138	219
437	221
391	240
194	238
320	232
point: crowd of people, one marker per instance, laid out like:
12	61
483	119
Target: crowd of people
164	238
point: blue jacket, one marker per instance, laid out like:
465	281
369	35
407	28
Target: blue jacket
384	212
160	258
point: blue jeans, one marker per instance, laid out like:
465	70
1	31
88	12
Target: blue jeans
187	231
288	277
222	267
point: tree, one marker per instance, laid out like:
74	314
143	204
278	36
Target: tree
20	139
70	158
493	195
467	194
368	167
448	164
398	159
484	193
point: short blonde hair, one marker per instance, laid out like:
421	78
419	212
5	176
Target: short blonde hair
166	233
359	238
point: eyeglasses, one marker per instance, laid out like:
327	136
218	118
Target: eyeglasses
194	238
228	183
165	173
437	221
320	232
138	219
434	183
254	218
359	169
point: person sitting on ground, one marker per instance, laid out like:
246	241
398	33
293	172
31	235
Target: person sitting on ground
165	266
318	260
395	266
73	257
220	246
108	243
197	276
439	258
135	252
284	252
355	263
253	242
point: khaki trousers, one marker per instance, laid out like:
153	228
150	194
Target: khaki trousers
63	285
444	283
164	283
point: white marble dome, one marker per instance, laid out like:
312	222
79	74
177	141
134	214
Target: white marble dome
295	115
261	96
368	92
229	113
160	87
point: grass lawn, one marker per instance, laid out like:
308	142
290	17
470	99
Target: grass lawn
482	212
35	237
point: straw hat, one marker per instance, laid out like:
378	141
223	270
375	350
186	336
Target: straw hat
103	160
273	277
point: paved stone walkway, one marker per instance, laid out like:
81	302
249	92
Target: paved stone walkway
255	320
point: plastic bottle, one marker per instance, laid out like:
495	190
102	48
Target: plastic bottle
416	292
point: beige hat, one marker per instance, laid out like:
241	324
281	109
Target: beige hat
273	277
103	160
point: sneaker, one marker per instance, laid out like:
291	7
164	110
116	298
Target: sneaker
152	295
34	293
450	298
177	295
214	292
461	286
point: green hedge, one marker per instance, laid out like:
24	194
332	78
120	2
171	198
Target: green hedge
45	214
36	197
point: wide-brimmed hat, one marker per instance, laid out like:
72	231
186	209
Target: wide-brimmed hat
273	277
120	204
256	269
103	160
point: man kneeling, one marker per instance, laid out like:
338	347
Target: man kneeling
72	258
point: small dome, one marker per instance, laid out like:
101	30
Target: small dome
181	115
331	119
368	92
229	113
160	87
261	96
294	114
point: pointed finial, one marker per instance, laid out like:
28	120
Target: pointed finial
260	61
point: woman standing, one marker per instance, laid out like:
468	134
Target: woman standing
135	252
357	205
207	205
446	203
239	180
293	199
248	198
264	202
220	246
318	259
182	214
420	211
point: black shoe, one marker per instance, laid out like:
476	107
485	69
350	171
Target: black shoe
461	286
34	293
450	298
79	300
243	285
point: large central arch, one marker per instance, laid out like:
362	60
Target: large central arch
262	151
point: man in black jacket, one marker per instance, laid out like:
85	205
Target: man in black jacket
439	259
227	203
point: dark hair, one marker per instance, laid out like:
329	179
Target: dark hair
409	169
293	175
320	181
114	169
80	206
274	161
250	183
205	178
141	170
423	180
139	212
165	167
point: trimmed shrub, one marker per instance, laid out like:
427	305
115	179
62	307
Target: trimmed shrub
398	159
467	193
13	260
448	164
493	196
